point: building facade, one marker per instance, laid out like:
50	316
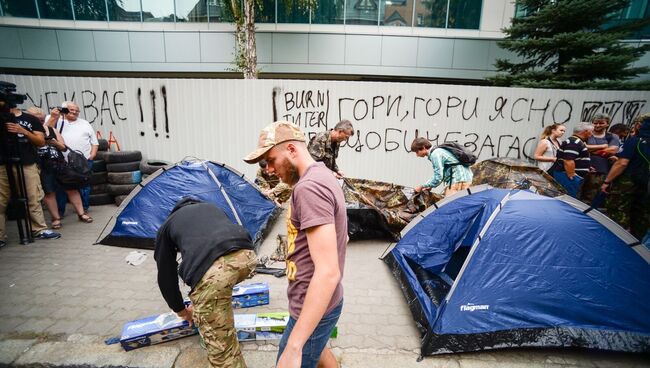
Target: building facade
450	40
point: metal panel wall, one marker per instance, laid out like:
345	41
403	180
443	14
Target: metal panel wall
428	55
221	119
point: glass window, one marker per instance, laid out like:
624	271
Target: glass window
89	9
124	10
396	13
19	8
55	9
292	12
433	13
362	12
464	14
158	10
267	12
191	10
636	10
328	12
219	11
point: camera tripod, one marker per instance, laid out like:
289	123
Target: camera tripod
18	205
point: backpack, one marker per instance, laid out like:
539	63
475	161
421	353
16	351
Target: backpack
464	157
74	171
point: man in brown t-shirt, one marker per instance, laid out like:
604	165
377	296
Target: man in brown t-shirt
317	237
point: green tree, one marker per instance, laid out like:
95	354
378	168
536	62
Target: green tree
243	14
569	44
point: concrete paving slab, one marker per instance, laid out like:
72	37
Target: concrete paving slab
11	349
97	355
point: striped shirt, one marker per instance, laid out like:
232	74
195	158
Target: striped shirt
573	148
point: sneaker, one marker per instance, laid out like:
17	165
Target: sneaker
48	234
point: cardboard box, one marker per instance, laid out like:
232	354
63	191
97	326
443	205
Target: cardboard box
261	326
250	295
264	326
155	330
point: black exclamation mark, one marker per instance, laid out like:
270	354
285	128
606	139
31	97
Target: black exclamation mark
163	90
153	110
275	108
140	106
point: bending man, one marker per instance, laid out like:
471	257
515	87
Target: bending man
217	254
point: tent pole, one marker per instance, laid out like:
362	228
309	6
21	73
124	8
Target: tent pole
225	195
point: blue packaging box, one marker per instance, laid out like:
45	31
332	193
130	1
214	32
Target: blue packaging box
155	330
250	295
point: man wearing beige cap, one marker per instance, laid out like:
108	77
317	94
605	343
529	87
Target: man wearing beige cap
316	239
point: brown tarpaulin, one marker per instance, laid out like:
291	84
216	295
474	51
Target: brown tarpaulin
510	173
381	210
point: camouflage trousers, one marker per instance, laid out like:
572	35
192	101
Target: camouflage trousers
629	206
213	312
456	187
591	187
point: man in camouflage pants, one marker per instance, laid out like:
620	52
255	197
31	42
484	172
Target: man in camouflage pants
325	145
217	254
627	185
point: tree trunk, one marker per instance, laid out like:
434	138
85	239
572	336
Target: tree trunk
250	50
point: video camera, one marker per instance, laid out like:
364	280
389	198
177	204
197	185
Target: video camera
9	99
8	96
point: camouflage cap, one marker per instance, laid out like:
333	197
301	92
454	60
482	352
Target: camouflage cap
272	135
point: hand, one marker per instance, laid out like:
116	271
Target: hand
613	158
571	176
290	358
15	128
418	189
186	314
339	175
55	113
604	187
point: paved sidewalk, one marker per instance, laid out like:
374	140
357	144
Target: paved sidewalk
60	299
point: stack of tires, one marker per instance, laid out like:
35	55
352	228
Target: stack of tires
149	167
98	179
123	173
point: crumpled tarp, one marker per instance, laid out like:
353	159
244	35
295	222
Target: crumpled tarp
510	173
379	210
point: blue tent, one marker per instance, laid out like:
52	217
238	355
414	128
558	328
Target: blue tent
140	215
494	268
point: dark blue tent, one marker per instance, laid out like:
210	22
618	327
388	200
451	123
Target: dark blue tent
494	268
140	215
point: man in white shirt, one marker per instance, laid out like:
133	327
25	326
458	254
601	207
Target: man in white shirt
79	135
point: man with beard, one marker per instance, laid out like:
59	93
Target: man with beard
316	240
602	146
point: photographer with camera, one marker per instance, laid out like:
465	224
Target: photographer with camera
78	135
51	156
25	133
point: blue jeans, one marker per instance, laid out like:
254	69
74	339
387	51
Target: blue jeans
84	192
572	186
316	343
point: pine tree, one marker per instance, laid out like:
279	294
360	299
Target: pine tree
565	44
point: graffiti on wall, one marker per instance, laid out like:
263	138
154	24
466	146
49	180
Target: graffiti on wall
108	107
390	122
